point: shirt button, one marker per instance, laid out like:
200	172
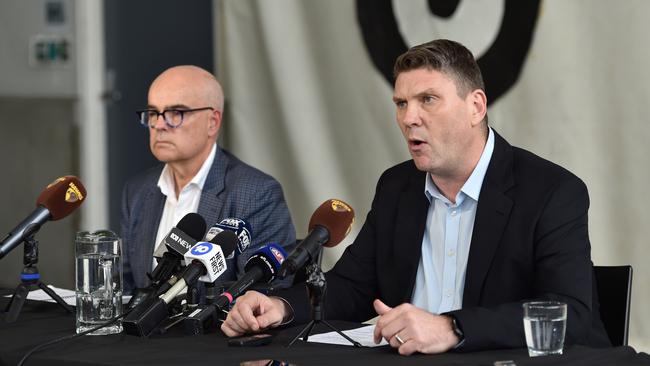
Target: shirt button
451	252
453	213
448	294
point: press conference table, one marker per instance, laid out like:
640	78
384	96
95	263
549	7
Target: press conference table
40	322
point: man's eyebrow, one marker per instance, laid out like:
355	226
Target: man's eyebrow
173	106
429	91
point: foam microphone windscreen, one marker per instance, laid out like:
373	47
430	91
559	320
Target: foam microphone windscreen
336	216
62	196
227	240
193	225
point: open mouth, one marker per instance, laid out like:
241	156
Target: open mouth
415	142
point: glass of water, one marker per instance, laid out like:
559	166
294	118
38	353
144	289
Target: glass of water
544	325
98	281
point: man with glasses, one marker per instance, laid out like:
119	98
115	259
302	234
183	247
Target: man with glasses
183	115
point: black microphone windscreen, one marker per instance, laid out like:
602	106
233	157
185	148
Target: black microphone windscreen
227	240
193	225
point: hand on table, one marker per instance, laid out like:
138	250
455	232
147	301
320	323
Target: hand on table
254	312
411	329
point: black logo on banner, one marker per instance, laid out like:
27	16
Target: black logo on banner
500	65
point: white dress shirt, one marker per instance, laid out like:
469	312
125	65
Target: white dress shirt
445	246
187	201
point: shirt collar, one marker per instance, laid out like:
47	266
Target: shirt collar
166	179
472	187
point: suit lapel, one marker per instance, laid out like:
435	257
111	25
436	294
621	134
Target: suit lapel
492	214
411	223
211	204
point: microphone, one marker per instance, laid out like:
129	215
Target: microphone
206	262
57	201
328	226
260	267
240	227
187	232
178	241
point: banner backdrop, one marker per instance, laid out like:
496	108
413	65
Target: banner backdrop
308	100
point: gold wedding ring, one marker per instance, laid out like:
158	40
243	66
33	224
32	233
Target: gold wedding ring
399	339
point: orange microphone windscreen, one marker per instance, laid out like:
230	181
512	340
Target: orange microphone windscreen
336	216
62	196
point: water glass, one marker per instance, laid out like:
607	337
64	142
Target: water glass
98	281
544	325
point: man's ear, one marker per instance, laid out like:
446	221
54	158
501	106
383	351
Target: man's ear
214	123
478	101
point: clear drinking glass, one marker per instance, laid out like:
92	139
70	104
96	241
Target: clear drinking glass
544	325
98	281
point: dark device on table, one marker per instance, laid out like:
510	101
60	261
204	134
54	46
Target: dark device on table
251	341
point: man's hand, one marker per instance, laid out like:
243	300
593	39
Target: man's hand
254	312
419	330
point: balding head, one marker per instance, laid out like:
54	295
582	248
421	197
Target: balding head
198	83
197	95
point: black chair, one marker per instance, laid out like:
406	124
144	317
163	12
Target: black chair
615	294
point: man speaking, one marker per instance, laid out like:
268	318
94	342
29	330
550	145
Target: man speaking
183	115
458	237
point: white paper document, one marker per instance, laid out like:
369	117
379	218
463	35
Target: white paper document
69	296
362	335
39	295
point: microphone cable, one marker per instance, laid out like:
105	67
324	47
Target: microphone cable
68	337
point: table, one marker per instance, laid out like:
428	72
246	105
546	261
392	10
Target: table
40	322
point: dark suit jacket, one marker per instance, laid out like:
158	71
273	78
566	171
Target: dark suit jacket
231	189
529	241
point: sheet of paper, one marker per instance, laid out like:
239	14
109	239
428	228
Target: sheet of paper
39	295
362	335
68	296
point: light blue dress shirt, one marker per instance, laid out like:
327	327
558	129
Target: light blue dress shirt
445	246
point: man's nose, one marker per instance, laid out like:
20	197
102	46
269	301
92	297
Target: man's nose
411	116
159	123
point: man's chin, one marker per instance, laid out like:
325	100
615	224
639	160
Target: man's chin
164	156
421	163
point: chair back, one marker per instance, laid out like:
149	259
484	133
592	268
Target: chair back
614	285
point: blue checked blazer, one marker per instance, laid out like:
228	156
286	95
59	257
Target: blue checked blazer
232	189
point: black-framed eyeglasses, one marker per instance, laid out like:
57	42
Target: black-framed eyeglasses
172	117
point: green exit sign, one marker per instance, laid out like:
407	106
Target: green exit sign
49	50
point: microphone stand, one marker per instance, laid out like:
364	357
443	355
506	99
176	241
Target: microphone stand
316	288
29	277
179	312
